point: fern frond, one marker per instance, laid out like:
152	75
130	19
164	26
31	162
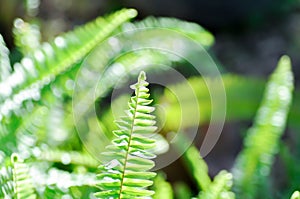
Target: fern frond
261	144
44	66
5	68
220	187
137	58
192	30
23	187
41	67
162	188
125	174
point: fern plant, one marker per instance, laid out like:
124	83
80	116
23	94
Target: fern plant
36	108
262	141
125	174
36	120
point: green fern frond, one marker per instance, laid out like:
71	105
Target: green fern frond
125	174
5	68
43	61
23	187
192	30
41	67
162	188
131	60
261	144
16	97
219	188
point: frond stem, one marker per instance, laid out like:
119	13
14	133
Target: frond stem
129	141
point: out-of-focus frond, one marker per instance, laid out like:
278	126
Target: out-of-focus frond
261	144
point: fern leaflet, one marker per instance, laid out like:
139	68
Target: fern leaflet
5	67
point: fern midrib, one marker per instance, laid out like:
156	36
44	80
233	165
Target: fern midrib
129	142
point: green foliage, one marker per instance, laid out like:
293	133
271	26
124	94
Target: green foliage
241	91
6	182
254	162
68	157
125	174
220	187
37	119
197	167
292	169
189	29
53	192
27	36
182	190
162	188
35	98
42	66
